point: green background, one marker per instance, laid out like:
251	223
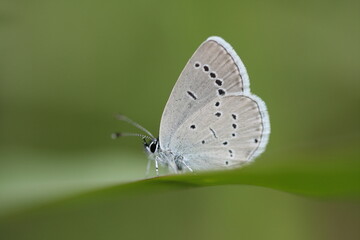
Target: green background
66	67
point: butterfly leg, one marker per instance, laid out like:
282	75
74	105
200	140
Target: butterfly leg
187	166
156	167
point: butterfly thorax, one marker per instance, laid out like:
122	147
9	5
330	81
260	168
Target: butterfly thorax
173	162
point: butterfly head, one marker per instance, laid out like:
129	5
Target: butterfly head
152	147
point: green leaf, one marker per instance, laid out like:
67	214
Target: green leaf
325	177
332	179
122	203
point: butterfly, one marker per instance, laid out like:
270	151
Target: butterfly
211	120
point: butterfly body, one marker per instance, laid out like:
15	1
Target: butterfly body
211	120
175	163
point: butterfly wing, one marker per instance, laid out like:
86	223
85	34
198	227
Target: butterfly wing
215	70
227	132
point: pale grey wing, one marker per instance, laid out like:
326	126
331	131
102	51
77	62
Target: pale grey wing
228	132
214	70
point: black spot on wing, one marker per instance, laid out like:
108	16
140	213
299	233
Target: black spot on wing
192	95
213	132
221	92
218	82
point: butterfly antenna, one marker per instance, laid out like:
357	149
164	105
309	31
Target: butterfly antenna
119	134
135	124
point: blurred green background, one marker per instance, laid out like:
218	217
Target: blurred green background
66	67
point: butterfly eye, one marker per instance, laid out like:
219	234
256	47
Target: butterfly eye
153	147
